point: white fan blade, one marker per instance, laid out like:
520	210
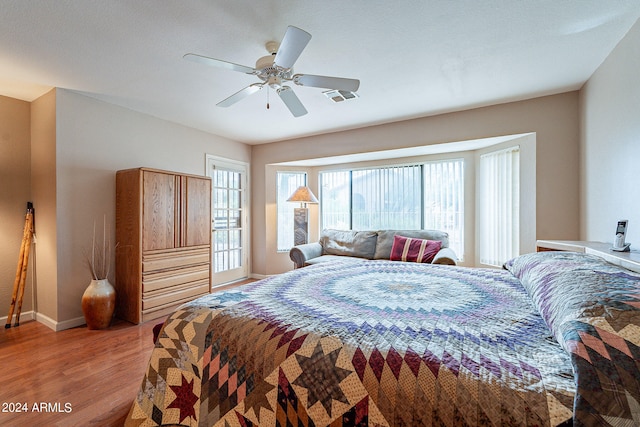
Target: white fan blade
326	82
292	45
292	102
218	63
240	95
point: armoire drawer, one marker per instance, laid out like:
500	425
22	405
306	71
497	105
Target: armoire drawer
174	258
165	309
185	292
174	277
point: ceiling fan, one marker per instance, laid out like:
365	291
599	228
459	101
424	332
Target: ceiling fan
277	68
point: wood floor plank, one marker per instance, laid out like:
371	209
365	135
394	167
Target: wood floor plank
81	377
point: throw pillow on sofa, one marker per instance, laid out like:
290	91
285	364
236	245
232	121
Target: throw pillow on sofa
414	250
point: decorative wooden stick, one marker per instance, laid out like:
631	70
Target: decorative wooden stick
21	270
25	263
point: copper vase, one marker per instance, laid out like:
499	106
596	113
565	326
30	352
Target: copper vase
98	304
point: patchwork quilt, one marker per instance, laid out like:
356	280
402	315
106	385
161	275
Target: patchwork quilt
387	343
593	310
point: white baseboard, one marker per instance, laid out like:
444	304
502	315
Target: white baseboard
47	321
59	326
71	323
78	321
29	315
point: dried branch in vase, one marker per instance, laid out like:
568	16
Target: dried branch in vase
99	258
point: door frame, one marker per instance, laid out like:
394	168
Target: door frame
222	162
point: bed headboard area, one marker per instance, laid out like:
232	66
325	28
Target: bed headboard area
629	260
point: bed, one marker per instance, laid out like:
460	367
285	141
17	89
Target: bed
551	339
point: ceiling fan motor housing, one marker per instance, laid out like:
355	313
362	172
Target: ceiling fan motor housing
265	62
270	73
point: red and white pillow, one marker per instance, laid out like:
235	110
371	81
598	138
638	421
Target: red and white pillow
414	250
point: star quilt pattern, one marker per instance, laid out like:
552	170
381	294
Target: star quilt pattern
593	310
377	343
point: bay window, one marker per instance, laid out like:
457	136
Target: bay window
420	196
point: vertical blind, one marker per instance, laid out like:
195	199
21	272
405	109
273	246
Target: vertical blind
286	184
423	196
499	206
386	198
372	199
335	200
444	200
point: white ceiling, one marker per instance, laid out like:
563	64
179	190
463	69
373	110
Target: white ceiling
413	58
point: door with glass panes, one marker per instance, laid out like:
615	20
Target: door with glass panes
229	209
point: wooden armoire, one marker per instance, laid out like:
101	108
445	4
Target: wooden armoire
163	235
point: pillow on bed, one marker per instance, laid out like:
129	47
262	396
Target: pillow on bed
570	286
414	250
593	310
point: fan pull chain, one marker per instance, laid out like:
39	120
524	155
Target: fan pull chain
267	97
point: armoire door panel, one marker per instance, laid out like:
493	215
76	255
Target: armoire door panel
198	211
160	204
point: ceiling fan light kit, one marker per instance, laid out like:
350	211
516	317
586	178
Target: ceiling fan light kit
275	69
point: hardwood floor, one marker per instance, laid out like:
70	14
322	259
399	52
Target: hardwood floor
75	377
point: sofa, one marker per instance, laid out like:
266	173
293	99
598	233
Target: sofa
341	245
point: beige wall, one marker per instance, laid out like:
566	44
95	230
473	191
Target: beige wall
554	119
15	192
43	188
610	151
77	145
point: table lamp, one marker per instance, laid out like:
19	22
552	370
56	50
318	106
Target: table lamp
304	195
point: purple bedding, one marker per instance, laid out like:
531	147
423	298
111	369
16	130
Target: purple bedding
395	343
593	310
